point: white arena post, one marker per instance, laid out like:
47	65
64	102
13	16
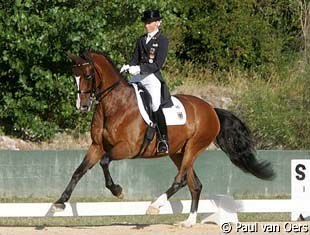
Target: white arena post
300	187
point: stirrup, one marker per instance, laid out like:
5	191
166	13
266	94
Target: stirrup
162	146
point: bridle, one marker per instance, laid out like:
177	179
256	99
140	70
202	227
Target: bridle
95	93
89	77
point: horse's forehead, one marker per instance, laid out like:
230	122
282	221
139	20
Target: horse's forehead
81	68
77	71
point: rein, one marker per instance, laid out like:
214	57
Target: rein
104	93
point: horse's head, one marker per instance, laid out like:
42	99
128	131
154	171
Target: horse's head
84	74
95	75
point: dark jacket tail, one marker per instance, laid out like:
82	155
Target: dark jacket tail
236	141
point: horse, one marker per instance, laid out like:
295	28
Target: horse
117	132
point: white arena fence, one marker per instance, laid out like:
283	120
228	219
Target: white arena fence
218	209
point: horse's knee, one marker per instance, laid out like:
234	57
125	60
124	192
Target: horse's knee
83	167
105	161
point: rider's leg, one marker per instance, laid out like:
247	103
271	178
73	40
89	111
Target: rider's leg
163	135
153	85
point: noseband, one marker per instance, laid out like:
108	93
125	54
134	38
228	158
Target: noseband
95	93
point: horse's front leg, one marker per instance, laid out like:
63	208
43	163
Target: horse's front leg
115	189
120	151
94	154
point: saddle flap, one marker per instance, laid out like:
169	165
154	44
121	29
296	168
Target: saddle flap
174	115
146	99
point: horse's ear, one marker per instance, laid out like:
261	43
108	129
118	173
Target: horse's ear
74	58
87	55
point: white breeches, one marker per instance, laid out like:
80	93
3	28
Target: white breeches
152	85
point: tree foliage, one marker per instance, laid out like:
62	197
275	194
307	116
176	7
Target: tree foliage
37	92
227	33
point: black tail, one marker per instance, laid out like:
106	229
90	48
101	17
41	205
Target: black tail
236	141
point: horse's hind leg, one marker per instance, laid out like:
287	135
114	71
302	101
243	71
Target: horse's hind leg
185	175
92	157
179	182
195	188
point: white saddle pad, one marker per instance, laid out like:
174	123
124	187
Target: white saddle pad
174	115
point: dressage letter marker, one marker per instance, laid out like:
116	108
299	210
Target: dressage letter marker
300	186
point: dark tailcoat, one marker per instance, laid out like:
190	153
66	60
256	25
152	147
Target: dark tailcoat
151	57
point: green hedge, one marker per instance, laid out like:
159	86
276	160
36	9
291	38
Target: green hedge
37	91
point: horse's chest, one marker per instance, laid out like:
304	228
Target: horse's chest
110	134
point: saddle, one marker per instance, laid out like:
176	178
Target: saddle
146	100
174	115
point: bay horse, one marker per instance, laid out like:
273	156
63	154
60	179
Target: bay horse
117	132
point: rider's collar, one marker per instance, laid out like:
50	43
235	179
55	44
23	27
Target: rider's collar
152	34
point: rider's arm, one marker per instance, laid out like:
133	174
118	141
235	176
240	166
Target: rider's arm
135	58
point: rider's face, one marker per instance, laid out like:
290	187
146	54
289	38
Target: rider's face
151	26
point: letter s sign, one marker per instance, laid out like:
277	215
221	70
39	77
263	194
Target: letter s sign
300	185
300	171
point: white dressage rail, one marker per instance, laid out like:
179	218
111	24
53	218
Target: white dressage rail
219	209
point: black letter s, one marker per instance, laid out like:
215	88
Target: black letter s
300	172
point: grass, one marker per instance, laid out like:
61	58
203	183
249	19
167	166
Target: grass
91	221
275	106
137	220
277	112
264	217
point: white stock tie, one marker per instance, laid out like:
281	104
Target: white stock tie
148	38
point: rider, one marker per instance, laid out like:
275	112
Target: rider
148	58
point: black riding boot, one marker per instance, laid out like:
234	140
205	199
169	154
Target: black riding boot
160	120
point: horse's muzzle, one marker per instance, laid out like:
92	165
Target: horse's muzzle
85	108
84	104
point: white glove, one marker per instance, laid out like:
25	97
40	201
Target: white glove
134	70
124	68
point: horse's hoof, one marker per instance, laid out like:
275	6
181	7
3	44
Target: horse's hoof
186	224
121	196
152	210
117	191
58	207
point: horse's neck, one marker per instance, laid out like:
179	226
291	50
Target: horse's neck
107	74
118	98
118	101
